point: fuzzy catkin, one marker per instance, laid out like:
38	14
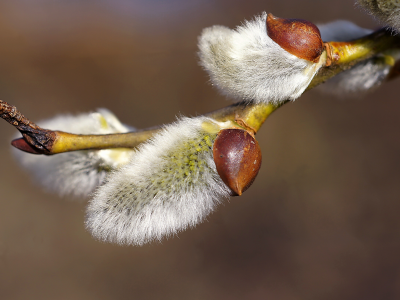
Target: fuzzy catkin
246	64
386	11
170	184
77	173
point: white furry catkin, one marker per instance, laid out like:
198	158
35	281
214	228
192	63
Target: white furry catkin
170	184
365	75
246	64
387	11
77	173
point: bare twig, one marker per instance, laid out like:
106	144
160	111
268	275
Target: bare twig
36	140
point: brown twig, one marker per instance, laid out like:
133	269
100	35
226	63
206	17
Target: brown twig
36	139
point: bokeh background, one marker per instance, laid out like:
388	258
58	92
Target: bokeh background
320	222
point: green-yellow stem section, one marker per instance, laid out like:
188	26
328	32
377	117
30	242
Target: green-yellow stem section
66	142
251	114
343	55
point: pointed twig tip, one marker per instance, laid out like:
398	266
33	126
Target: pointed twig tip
22	145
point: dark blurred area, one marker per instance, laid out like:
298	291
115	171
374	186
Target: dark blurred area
320	222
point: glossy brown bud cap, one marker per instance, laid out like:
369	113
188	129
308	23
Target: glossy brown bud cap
237	157
298	37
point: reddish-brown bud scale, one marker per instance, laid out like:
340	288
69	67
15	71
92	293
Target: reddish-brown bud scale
298	37
237	157
22	145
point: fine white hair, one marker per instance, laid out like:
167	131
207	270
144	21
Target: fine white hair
77	173
246	64
171	183
363	76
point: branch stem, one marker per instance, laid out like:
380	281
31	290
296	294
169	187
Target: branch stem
251	116
344	55
66	142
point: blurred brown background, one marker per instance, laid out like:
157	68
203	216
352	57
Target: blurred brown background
320	222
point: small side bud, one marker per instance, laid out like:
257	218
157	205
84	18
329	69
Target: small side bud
298	37
22	145
237	157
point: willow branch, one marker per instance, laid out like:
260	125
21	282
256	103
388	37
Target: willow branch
340	56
